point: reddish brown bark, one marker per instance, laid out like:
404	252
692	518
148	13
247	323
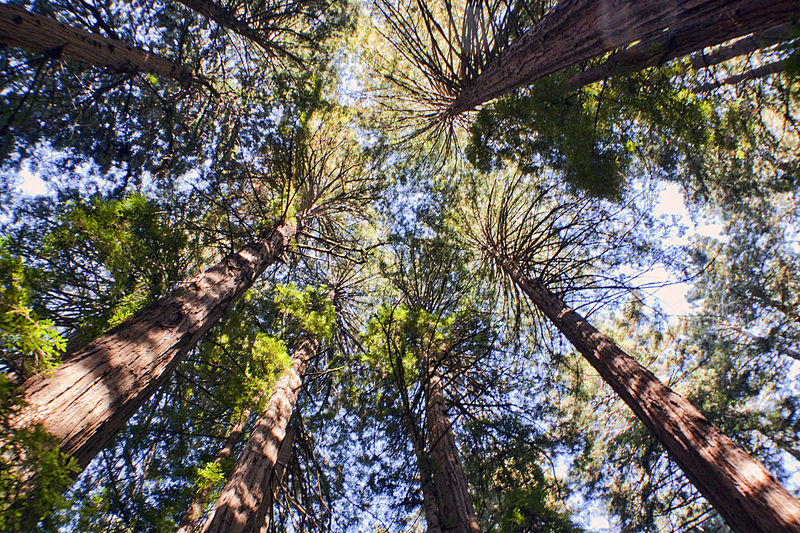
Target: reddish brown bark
678	42
86	400
454	506
284	456
20	28
748	497
578	30
241	507
193	514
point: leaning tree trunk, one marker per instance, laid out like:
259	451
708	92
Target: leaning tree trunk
455	511
578	30
284	458
193	514
86	400
678	42
23	29
242	506
748	497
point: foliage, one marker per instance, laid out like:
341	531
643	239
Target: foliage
28	344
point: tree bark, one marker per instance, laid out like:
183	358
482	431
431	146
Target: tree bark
678	42
193	514
87	399
241	507
455	511
578	30
284	457
748	497
23	29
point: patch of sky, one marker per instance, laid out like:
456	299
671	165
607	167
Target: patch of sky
662	287
350	90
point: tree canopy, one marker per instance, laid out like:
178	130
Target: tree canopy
448	266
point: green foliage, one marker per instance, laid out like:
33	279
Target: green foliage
592	136
33	472
309	310
27	344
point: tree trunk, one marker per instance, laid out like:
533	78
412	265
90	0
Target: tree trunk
577	30
748	497
284	456
241	507
195	510
678	42
21	28
455	511
87	399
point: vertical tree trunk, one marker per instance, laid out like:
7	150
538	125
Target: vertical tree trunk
21	28
195	511
577	30
429	505
284	456
456	513
85	401
748	497
241	507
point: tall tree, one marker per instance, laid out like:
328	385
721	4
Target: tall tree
242	506
471	54
747	496
38	33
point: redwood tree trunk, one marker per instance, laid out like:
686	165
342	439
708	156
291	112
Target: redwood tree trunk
284	457
748	497
678	42
21	28
241	507
195	511
455	511
578	30
87	399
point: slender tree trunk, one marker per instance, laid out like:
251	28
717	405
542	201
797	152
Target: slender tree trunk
241	508
455	511
748	497
577	30
429	505
284	456
87	399
195	511
23	29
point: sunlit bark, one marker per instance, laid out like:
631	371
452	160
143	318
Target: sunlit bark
86	400
748	497
38	33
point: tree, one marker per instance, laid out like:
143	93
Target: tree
86	400
38	33
489	55
242	504
742	491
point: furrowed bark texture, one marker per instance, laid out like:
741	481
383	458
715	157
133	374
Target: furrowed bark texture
456	514
284	456
678	42
86	400
23	29
241	507
578	30
429	506
748	497
193	514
